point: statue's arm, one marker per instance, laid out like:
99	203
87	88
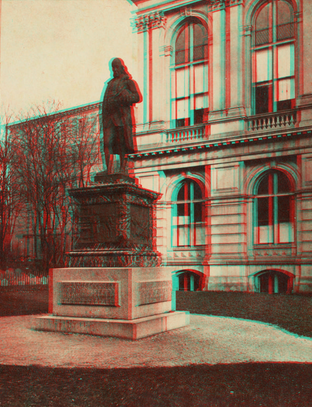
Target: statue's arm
134	90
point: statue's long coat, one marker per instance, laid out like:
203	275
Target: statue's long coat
120	94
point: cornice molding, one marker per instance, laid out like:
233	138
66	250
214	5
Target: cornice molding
217	144
63	113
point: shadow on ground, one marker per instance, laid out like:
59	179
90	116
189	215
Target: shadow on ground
250	384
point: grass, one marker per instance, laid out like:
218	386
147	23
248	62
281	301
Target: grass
290	312
23	302
245	384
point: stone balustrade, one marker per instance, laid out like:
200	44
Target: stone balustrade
269	121
186	134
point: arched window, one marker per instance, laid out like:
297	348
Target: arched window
274	282
274	209
274	57
189	281
188	216
189	76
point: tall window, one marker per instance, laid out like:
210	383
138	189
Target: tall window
189	76
274	58
188	216
274	214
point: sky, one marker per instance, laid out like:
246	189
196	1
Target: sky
60	50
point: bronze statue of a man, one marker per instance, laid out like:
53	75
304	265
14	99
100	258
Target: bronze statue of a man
117	114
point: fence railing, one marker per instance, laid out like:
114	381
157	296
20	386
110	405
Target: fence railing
271	121
13	279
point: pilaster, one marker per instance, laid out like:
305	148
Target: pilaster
151	27
218	58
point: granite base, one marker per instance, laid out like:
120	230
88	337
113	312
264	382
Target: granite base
126	329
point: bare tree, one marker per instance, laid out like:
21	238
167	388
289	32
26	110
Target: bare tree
49	154
86	151
10	204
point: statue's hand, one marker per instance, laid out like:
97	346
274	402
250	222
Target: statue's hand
126	97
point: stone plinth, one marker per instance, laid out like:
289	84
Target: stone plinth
113	286
123	302
115	224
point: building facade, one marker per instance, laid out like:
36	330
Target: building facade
224	133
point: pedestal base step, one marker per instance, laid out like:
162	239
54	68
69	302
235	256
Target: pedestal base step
127	329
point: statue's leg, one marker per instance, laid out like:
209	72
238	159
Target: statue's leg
122	150
109	134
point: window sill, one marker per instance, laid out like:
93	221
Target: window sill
273	245
187	248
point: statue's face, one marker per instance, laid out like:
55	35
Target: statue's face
117	69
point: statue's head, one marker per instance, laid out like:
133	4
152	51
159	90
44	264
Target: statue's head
118	67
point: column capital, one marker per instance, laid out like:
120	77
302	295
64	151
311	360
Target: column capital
149	21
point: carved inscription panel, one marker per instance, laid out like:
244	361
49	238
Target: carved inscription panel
151	292
89	293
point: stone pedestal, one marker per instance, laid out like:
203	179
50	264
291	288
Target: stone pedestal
129	303
115	224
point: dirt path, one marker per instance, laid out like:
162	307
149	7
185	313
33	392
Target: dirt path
208	339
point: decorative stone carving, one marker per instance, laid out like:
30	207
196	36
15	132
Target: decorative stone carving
115	224
236	2
165	50
186	11
216	5
298	16
149	21
271	252
247	30
114	258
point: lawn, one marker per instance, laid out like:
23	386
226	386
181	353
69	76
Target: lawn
245	384
20	302
290	312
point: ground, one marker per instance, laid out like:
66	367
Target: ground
234	384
